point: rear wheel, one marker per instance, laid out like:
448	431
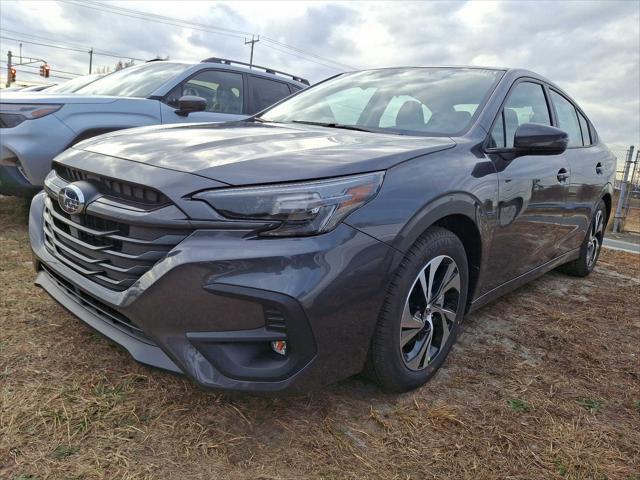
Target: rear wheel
422	312
591	246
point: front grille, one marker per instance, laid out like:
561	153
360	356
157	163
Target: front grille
111	253
95	306
114	188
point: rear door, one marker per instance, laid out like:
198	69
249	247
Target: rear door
531	225
223	90
264	92
589	164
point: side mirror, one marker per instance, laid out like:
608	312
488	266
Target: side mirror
538	139
190	103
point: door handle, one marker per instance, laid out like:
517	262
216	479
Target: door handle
563	175
599	168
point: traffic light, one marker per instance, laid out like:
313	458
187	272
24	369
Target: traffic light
12	75
44	70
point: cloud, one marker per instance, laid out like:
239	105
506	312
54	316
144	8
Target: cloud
591	49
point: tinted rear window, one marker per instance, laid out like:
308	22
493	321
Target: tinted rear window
265	92
567	119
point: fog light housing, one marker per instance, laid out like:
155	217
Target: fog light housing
279	346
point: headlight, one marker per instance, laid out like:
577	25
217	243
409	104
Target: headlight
13	114
302	208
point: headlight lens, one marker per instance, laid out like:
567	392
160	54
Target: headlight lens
15	113
306	208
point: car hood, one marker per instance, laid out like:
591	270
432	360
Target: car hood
46	98
244	153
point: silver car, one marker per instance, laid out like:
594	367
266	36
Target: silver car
34	128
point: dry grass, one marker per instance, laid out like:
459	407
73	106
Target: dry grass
632	222
544	383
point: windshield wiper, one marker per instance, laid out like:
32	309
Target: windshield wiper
335	125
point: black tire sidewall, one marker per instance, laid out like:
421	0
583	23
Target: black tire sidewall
389	366
585	244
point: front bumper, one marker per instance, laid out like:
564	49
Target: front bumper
210	308
14	183
31	145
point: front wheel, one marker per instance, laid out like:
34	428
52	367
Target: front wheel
591	246
422	312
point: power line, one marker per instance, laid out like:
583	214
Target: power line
198	26
147	16
69	48
52	70
164	17
61	42
268	39
31	73
295	49
304	56
299	56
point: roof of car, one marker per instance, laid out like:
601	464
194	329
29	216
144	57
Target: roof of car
261	69
511	72
241	66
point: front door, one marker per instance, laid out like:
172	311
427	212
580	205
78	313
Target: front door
531	225
223	91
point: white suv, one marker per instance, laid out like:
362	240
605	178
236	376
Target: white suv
35	127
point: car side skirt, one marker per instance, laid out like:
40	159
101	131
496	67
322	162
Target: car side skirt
523	279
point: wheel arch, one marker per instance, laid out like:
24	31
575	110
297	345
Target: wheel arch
464	216
607	199
92	132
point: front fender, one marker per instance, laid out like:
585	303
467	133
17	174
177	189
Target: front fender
455	203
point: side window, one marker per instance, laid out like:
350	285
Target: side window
567	119
396	111
584	127
221	90
266	92
526	104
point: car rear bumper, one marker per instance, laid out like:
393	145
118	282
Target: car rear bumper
212	306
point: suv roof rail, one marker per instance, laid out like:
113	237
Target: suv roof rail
226	61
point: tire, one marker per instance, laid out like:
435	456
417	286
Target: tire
407	316
585	263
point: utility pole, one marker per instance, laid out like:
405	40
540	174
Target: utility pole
90	59
632	182
252	42
9	69
618	219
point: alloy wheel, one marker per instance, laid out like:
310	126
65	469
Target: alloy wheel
595	239
430	312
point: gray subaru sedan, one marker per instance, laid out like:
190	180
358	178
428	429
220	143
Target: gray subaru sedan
347	229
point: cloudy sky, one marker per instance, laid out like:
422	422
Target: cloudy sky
591	48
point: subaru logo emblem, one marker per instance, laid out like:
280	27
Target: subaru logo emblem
71	199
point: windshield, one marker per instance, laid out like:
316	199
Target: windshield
72	85
438	101
137	81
